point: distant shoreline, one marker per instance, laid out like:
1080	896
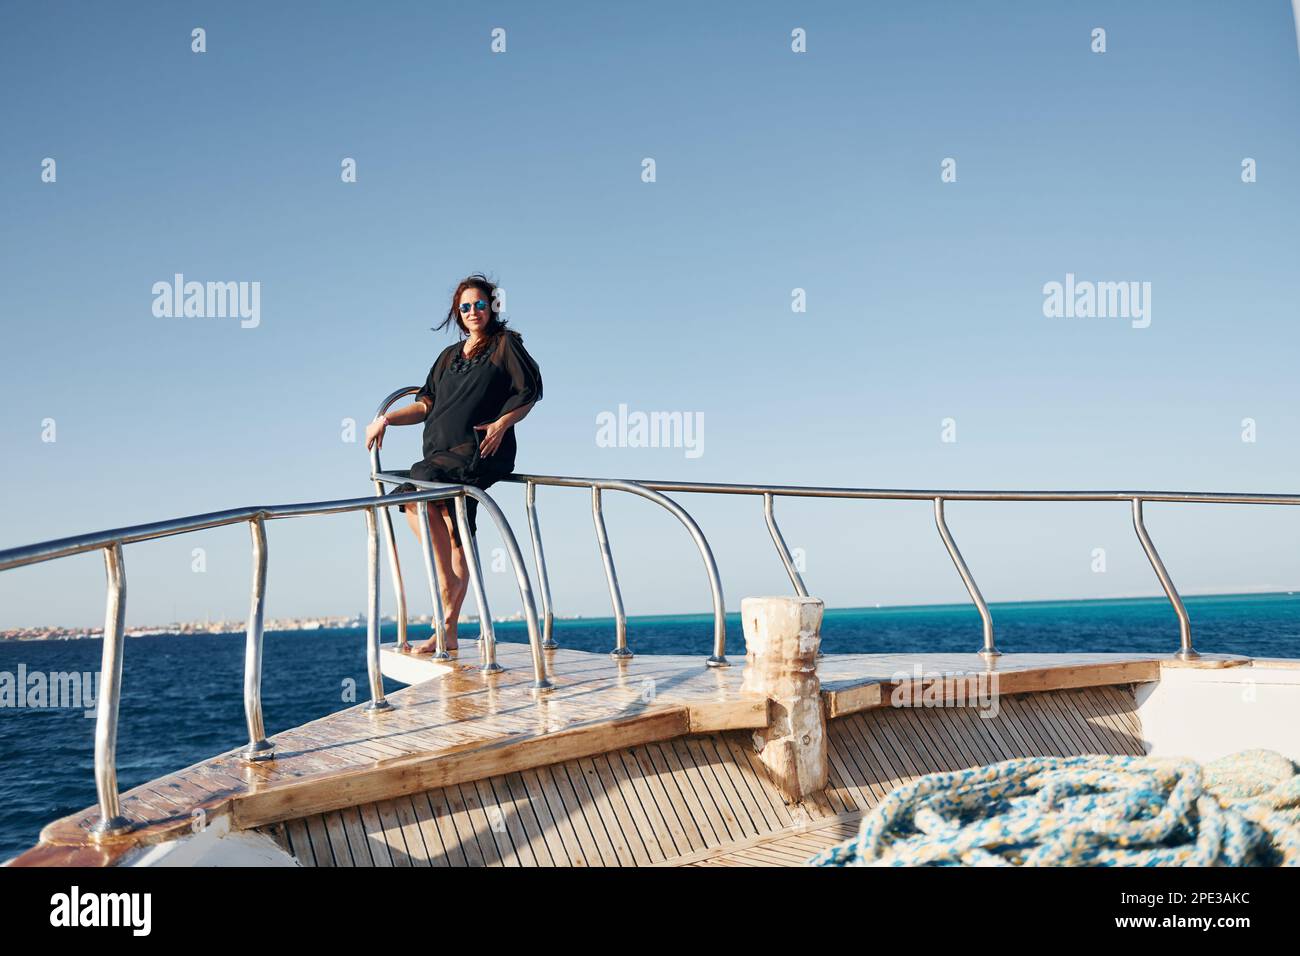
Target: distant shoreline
311	625
223	627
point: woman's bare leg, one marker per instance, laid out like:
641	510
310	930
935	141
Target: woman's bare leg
451	582
459	565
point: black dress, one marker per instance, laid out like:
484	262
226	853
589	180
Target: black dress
500	377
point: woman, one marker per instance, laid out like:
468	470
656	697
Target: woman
485	382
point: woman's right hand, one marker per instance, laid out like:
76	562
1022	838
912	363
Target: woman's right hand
375	432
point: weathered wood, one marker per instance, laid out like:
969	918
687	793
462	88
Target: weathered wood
1014	676
422	772
1209	661
782	635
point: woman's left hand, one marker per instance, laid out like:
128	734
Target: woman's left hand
492	439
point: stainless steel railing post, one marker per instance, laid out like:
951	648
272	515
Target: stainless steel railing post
435	592
543	580
259	748
1185	649
781	549
390	538
989	650
110	695
540	681
487	634
615	597
399	587
778	539
373	671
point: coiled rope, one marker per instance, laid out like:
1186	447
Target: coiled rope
1240	810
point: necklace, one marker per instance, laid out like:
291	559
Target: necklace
460	363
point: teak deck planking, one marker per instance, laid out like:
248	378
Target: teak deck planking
729	801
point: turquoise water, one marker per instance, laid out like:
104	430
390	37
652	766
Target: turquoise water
182	696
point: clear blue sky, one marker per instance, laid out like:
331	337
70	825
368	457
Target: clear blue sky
775	171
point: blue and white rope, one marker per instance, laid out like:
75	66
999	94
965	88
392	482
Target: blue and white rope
1241	810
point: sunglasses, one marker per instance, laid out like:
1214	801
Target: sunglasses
479	306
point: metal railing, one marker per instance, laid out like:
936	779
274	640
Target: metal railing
717	659
111	543
988	649
654	491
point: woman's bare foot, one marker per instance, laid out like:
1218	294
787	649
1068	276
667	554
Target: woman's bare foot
431	645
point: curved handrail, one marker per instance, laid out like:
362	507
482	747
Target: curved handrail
390	541
131	534
111	543
939	497
487	631
913	494
719	656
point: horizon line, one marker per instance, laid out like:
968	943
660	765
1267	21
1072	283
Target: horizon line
1263	592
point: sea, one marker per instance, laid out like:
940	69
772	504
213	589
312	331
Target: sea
182	696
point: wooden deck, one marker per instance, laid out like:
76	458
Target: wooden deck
788	848
703	799
854	682
468	752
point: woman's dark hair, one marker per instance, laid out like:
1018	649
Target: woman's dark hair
488	288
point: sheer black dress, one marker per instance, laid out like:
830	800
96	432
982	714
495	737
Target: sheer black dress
500	377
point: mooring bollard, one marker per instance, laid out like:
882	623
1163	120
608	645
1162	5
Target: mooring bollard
782	635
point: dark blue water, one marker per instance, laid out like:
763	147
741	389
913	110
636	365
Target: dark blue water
182	696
